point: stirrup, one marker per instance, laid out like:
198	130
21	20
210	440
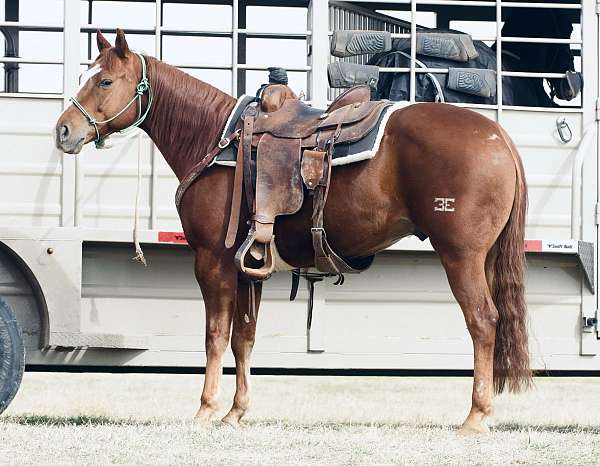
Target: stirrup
268	267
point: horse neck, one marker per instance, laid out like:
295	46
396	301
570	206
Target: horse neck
187	116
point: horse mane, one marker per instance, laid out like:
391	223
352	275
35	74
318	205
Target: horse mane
187	115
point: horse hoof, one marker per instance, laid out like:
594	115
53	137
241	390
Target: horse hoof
473	429
203	418
231	422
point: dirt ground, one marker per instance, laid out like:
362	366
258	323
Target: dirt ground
97	419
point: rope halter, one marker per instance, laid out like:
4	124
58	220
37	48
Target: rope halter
141	88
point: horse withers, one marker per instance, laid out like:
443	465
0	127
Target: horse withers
446	171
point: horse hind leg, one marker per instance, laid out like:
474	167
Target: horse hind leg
469	283
242	342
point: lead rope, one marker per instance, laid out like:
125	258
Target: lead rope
139	254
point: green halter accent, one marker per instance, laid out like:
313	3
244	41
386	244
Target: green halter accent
142	87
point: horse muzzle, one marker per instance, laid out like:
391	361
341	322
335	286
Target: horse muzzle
69	139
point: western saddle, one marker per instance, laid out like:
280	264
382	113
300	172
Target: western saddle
291	148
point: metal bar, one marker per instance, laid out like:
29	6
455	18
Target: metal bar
499	60
234	47
154	153
72	168
318	19
540	40
557	6
158	29
173	30
31	95
515	74
94	27
246	66
191	31
544	109
465	3
525	74
413	50
23	26
11	48
89	35
241	48
524	40
208	66
576	175
333	11
30	61
250	32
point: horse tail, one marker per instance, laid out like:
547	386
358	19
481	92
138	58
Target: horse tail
511	353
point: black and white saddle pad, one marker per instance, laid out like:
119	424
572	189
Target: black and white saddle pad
343	154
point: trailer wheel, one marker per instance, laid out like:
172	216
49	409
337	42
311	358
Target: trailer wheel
12	355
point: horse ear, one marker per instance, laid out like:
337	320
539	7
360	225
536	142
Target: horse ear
101	41
121	44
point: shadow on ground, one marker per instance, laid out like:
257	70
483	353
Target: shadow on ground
85	420
81	420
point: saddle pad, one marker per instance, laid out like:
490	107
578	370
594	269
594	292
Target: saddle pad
343	154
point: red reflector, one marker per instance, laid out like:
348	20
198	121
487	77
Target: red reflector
171	237
533	245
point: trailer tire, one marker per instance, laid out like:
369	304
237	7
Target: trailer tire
12	355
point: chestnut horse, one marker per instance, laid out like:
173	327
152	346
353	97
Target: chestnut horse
448	171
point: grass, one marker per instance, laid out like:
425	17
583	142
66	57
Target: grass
97	419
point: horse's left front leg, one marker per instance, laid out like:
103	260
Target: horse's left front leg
242	342
218	280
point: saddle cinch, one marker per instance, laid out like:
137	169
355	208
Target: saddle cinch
293	146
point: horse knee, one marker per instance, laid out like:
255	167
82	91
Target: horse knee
216	340
241	345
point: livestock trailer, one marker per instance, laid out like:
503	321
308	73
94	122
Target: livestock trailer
66	222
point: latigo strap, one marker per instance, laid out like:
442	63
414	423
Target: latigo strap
242	162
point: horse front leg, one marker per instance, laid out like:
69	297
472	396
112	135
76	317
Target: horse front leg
242	342
218	281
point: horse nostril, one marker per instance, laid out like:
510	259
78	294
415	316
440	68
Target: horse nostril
64	133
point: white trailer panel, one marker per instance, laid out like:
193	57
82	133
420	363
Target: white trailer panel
97	307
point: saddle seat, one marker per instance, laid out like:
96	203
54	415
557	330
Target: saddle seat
297	120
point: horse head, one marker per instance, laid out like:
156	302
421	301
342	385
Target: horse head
109	99
545	57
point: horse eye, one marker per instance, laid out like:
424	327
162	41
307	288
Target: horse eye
105	83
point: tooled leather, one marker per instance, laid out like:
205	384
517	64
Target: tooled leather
297	120
353	95
349	133
312	167
279	188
